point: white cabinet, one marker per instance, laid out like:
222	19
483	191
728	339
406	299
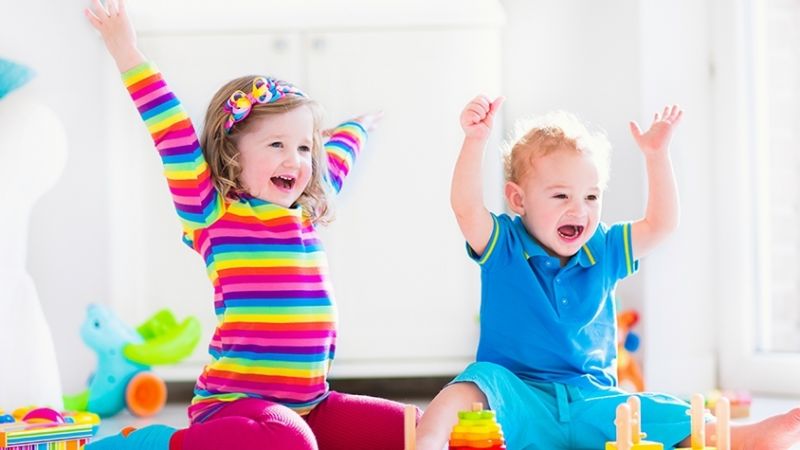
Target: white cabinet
407	293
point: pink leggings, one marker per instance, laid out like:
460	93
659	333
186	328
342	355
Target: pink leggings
340	422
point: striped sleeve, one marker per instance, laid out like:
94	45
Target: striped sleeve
500	247
188	176
342	149
619	248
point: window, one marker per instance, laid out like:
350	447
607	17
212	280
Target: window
778	151
757	193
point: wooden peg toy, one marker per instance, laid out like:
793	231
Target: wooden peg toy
629	428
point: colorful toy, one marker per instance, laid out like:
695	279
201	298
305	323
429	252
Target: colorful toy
740	402
629	428
477	429
628	369
46	429
124	359
723	429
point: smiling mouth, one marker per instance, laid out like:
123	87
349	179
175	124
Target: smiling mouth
570	232
283	182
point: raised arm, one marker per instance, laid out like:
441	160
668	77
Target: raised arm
466	192
188	175
343	145
662	214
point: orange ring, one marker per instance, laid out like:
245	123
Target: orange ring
146	394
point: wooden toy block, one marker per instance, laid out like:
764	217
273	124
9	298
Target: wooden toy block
410	427
33	428
44	436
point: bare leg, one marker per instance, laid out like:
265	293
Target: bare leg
773	433
441	415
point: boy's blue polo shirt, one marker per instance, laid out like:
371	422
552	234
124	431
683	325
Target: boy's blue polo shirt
550	323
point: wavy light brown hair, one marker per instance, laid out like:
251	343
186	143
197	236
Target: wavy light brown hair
221	152
554	131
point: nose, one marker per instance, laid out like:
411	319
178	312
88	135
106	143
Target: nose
577	207
292	159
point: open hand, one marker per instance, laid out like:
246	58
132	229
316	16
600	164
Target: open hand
477	118
114	25
658	137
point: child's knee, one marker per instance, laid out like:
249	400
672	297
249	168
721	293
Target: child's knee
285	434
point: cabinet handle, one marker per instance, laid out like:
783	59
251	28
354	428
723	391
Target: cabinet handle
280	45
318	44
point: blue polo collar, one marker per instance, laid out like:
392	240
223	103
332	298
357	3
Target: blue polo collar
586	257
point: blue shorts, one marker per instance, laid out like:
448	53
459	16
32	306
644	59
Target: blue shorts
546	415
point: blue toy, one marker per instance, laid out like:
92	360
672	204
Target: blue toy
123	376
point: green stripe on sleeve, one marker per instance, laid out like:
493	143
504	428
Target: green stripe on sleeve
492	241
628	250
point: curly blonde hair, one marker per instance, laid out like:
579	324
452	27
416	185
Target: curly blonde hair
543	135
222	155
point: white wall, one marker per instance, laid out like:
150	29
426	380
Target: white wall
69	226
615	61
607	61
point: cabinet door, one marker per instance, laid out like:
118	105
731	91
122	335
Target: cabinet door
151	267
407	293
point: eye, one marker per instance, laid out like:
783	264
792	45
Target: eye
277	144
591	197
560	196
304	148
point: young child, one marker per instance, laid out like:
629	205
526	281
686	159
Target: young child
249	194
546	361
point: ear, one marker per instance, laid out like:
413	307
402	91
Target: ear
515	197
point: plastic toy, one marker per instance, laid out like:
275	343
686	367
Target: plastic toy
629	428
477	429
124	359
46	429
628	370
723	429
740	402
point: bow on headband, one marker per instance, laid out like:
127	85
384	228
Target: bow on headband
265	90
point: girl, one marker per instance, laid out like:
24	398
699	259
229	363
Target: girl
249	195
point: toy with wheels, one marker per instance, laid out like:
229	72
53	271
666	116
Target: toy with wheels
123	377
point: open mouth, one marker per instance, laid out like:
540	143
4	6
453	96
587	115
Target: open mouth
570	232
283	182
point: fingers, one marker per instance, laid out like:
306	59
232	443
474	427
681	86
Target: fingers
113	7
496	104
100	12
635	130
481	108
477	109
671	114
92	18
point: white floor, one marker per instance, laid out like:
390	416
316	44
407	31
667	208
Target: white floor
175	414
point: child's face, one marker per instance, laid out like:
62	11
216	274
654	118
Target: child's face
275	156
559	201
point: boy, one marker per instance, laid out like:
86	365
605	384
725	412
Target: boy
546	361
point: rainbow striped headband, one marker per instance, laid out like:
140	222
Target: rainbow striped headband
265	90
